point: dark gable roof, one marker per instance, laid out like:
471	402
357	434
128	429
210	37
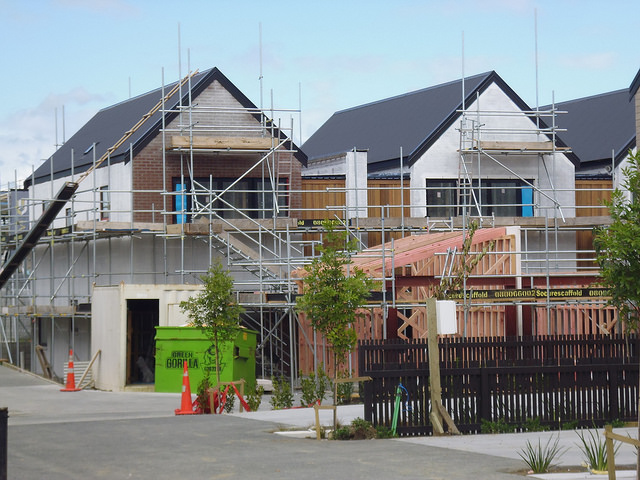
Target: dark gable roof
633	88
413	121
111	123
598	125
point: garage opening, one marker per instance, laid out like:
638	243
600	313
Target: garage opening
142	320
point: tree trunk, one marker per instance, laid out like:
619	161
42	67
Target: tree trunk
638	452
215	337
335	392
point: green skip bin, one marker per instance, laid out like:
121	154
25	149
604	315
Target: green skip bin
174	345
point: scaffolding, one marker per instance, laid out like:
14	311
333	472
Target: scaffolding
260	222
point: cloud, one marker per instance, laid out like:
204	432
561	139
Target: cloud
28	136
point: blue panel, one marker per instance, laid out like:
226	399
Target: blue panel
180	203
527	202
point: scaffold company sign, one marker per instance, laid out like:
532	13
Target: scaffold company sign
533	294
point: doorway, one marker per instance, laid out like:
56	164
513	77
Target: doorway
142	320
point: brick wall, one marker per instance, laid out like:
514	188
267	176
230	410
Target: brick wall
232	120
148	181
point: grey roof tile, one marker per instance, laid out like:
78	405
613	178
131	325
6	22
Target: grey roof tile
111	123
412	121
598	125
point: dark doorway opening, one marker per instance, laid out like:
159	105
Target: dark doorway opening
142	320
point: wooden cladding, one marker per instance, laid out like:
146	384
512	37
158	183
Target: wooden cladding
590	198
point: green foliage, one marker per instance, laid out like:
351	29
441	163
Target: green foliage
334	291
359	429
534	425
362	429
203	396
594	449
281	396
540	459
618	246
382	431
215	311
500	426
342	433
254	399
617	423
572	425
345	389
344	393
463	265
314	388
230	402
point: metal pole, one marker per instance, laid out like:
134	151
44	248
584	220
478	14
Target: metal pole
4	415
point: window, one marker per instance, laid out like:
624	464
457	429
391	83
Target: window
497	197
247	196
105	203
441	198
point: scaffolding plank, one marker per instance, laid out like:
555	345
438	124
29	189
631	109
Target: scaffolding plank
520	146
41	226
232	143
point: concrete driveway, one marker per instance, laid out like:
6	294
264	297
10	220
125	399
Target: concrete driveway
94	434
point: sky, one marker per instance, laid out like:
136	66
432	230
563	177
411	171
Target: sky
64	60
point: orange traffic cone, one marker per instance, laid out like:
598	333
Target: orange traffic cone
71	377
186	407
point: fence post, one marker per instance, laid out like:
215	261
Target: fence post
485	401
611	461
614	405
4	415
367	397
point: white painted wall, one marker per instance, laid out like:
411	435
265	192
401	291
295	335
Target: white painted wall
356	184
442	160
109	324
619	177
55	337
87	200
136	259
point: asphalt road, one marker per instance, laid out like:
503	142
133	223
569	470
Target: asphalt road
92	434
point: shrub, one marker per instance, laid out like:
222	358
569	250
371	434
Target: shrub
572	425
362	429
342	433
500	426
230	401
534	425
203	396
594	449
281	396
359	429
382	431
254	399
540	459
344	390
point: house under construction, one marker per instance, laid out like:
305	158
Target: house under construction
115	229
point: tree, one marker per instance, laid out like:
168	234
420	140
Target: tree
618	246
215	311
333	293
618	252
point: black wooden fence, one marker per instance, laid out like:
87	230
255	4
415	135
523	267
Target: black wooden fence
555	381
